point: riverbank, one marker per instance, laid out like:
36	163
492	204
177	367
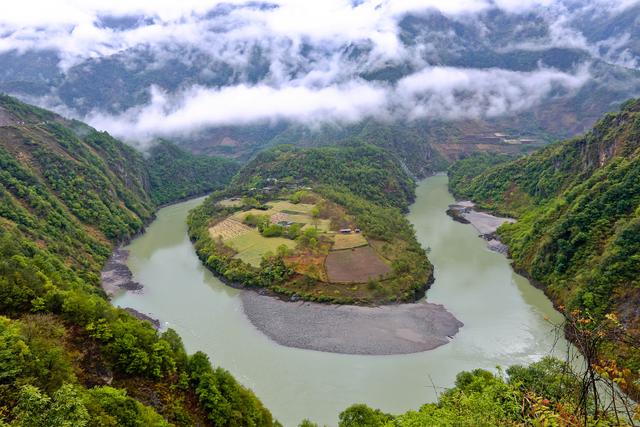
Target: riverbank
383	330
116	276
503	316
485	223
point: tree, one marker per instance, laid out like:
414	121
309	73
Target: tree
65	409
361	415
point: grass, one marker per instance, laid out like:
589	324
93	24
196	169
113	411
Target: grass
252	246
283	205
348	241
323	225
241	215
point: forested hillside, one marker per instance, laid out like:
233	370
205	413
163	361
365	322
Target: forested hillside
67	357
176	174
365	170
540	394
578	231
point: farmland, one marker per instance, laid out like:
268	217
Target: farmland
252	246
320	243
228	228
356	265
335	256
348	241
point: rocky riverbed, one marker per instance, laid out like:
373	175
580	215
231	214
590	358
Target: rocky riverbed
116	275
384	330
485	223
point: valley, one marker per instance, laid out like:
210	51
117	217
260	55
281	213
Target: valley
340	213
509	327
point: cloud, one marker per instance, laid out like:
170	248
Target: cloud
454	93
314	56
201	107
435	92
76	28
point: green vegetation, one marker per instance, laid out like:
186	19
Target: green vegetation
253	245
545	393
578	230
465	170
176	174
358	186
366	171
67	357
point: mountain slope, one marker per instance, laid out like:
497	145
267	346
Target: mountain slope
366	170
578	209
176	174
67	194
115	82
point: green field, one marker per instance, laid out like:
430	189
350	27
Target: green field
283	205
252	246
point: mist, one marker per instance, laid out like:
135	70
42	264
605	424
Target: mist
315	58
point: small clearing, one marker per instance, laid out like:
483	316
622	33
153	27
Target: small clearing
230	203
251	246
348	241
228	228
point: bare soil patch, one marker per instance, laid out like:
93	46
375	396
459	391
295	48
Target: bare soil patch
358	265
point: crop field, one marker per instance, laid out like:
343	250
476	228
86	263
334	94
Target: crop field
288	207
252	246
348	241
286	211
323	225
280	216
230	203
241	215
357	265
309	264
228	229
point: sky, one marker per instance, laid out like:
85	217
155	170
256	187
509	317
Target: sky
326	86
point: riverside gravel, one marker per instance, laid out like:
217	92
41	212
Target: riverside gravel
348	329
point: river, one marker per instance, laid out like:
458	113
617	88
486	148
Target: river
506	320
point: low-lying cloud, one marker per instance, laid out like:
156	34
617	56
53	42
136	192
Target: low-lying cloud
317	54
435	92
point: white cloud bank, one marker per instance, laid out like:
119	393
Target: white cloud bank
435	92
323	87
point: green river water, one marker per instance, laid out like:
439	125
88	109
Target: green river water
503	316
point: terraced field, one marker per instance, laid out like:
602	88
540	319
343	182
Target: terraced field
228	229
252	246
343	258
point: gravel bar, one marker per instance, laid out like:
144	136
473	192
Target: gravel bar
348	329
